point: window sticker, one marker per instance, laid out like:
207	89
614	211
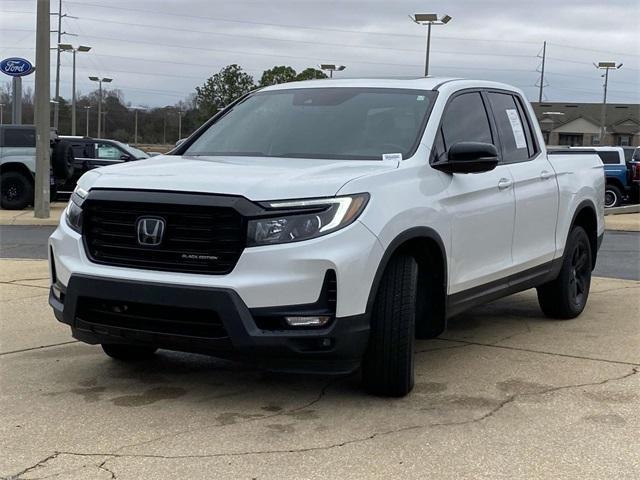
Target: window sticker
420	98
395	157
516	128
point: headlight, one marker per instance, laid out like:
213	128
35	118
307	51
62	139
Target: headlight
316	217
74	209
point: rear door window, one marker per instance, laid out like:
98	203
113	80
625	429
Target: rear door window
511	127
82	149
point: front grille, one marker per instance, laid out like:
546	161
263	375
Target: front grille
197	238
96	314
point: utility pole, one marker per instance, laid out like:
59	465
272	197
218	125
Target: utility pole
87	108
42	120
56	108
606	66
544	56
179	124
135	129
164	129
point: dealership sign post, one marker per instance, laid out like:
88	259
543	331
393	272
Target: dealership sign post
17	68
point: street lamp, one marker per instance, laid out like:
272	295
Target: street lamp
606	66
65	47
429	19
87	108
1	113
332	68
100	80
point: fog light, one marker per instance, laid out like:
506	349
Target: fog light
56	292
317	321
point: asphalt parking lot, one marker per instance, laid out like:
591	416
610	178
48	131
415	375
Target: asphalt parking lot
504	393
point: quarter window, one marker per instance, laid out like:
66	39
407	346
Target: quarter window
465	120
19	137
511	127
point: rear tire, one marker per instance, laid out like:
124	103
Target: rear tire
612	196
387	368
16	190
128	353
566	296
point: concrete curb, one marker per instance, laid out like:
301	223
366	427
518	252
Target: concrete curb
622	210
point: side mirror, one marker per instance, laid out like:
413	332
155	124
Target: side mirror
125	157
469	157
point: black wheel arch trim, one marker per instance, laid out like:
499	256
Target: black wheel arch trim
413	233
583	205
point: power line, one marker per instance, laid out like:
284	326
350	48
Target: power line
308	42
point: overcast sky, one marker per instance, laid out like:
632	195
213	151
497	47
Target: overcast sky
157	51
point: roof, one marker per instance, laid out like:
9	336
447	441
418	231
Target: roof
418	83
621	117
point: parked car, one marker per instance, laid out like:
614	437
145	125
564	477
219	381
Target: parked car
18	164
631	154
319	227
622	176
93	153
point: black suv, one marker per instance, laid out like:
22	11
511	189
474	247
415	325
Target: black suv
90	153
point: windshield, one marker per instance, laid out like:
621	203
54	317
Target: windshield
331	123
136	152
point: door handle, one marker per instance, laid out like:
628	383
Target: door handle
504	183
545	175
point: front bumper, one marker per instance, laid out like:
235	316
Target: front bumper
337	348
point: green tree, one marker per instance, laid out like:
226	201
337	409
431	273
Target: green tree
277	74
223	88
311	74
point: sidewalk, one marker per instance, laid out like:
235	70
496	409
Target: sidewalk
25	217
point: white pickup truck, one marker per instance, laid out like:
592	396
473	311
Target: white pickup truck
322	226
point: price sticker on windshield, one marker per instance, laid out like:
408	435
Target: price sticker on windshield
394	157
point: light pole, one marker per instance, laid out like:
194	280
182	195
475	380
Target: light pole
42	113
65	47
606	66
100	80
86	109
1	113
429	19
135	124
179	124
332	68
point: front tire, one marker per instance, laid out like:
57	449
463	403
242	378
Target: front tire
128	353
566	296
387	368
16	190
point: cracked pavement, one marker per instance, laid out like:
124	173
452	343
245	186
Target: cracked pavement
504	393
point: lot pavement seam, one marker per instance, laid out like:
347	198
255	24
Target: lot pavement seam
38	348
489	414
542	352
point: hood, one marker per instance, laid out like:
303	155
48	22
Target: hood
256	178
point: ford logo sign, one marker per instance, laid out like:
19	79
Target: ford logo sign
16	67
